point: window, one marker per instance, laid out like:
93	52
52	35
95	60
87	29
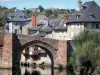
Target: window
78	16
92	16
97	25
60	34
16	23
64	25
12	17
72	26
64	34
84	7
25	17
20	16
77	25
93	26
16	31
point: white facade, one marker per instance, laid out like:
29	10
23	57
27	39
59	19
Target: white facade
10	27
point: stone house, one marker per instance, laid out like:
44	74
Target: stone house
16	21
53	28
87	17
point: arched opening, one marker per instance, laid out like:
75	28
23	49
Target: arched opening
44	46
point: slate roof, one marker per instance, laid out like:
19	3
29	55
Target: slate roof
46	28
61	26
19	15
54	22
89	13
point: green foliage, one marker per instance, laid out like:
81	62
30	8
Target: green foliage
4	11
48	12
60	67
86	55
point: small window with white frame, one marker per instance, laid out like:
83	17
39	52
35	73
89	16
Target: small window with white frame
77	25
72	34
72	25
64	34
65	25
16	31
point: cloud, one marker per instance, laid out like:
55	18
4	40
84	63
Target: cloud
5	0
60	6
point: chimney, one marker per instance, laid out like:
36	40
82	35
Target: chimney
65	17
33	21
79	5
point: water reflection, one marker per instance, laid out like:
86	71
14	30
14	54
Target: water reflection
36	71
32	71
5	72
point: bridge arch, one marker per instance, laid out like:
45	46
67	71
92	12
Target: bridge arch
46	47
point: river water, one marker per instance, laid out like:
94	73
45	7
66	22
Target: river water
32	71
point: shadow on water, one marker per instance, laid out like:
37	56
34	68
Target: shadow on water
34	72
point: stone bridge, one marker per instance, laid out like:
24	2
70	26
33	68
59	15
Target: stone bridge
13	45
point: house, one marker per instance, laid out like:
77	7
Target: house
16	21
53	28
59	32
87	17
42	29
40	19
36	22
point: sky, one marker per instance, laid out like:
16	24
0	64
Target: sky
20	4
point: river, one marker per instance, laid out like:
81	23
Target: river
33	71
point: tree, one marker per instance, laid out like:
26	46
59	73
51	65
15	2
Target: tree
41	8
48	12
85	57
55	13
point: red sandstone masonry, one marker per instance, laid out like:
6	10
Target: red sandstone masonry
59	46
7	51
62	52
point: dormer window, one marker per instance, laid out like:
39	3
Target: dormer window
84	7
25	17
12	17
92	16
78	16
20	16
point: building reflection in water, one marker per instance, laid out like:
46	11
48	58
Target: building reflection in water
36	71
32	71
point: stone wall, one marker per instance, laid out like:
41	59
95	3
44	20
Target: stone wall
59	50
6	60
62	53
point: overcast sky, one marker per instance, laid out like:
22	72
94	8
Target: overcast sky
20	4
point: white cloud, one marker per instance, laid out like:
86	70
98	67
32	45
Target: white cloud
60	6
5	0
